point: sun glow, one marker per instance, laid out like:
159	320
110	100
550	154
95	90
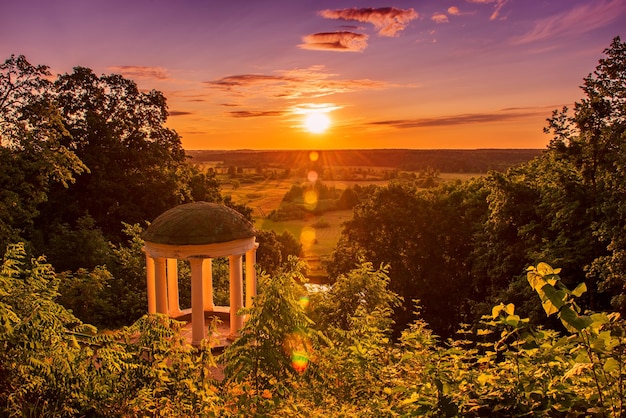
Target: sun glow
316	122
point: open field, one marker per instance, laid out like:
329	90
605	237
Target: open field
318	242
262	197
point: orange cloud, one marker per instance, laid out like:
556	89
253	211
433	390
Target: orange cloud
132	72
302	83
256	113
388	21
463	119
453	10
439	18
335	41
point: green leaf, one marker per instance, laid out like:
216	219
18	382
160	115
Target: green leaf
544	269
572	321
510	309
485	378
555	296
578	369
495	311
610	365
580	289
512	320
549	307
535	280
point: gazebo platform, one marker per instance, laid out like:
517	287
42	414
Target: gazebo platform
221	337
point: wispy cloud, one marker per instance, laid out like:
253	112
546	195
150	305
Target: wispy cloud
335	41
297	84
244	80
439	18
132	71
498	5
581	19
255	113
388	21
179	113
464	119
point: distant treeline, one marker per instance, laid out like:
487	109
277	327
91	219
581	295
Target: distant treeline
443	160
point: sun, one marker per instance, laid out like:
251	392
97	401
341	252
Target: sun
316	122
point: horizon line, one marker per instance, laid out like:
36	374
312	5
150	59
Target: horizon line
360	149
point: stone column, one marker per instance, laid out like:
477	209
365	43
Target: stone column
151	284
250	275
161	285
173	301
236	294
207	275
198	332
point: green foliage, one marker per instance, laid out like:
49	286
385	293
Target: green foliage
32	155
274	250
427	238
269	256
593	141
362	291
275	344
137	165
84	238
284	365
39	352
290	246
599	355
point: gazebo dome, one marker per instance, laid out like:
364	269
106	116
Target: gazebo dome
198	223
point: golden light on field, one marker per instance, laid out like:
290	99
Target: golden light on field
316	122
307	237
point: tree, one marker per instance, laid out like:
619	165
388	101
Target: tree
426	237
136	163
274	250
269	256
593	139
32	154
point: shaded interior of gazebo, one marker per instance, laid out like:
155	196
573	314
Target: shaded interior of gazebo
200	232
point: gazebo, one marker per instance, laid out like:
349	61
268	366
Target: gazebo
199	232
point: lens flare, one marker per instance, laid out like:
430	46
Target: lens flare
314	155
304	301
312	176
299	360
307	236
310	198
298	347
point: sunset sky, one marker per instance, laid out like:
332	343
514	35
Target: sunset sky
400	74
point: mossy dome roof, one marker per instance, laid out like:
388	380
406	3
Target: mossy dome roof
198	223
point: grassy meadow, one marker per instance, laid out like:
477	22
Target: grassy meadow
317	233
